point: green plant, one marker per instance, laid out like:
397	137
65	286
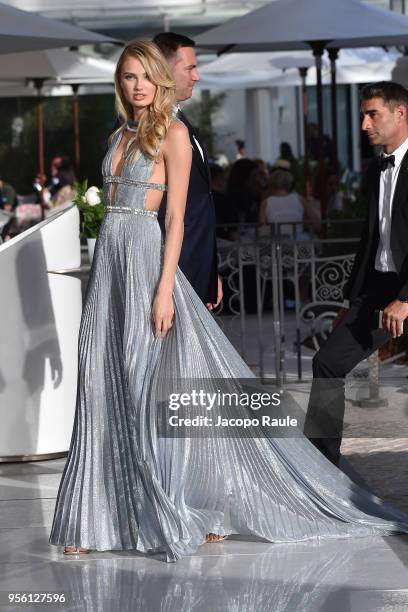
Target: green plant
201	114
89	201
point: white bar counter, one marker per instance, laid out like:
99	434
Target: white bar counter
40	311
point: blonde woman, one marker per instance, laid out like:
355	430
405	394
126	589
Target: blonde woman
125	487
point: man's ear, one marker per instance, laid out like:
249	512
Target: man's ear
402	112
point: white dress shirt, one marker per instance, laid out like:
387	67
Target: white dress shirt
199	147
388	180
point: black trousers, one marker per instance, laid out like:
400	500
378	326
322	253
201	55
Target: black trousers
354	339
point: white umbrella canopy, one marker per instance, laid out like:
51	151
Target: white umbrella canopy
25	31
304	24
57	65
20	89
346	58
264	62
293	24
255	61
242	80
17	89
53	66
346	75
275	69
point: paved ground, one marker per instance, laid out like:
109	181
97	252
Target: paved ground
240	575
383	464
381	457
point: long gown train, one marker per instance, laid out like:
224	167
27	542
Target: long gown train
126	488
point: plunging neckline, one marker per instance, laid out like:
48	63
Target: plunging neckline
114	150
148	184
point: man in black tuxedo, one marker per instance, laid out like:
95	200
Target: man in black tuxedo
198	258
379	278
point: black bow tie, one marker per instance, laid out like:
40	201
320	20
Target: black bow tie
385	161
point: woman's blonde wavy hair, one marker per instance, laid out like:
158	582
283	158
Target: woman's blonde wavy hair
156	118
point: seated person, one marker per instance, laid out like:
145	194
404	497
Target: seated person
8	196
8	203
66	178
285	205
224	210
245	190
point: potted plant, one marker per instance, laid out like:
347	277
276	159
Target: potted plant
89	201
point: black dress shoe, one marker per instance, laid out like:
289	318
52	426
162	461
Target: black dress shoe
334	458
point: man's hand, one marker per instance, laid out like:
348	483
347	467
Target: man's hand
339	317
393	318
219	296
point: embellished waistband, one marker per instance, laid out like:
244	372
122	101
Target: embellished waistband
128	181
128	209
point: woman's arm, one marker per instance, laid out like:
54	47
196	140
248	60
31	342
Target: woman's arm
176	150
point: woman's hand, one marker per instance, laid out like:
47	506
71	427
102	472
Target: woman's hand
162	312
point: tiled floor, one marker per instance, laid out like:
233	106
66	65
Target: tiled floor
367	574
361	575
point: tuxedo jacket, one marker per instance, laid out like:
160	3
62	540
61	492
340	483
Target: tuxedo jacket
367	249
198	258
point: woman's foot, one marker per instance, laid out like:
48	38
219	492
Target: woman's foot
75	550
214	537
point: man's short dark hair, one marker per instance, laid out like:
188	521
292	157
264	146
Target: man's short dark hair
170	42
390	92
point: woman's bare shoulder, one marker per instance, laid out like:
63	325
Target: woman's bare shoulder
177	129
177	136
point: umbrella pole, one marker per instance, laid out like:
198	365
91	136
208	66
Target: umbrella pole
40	126
75	119
333	55
40	140
305	110
318	48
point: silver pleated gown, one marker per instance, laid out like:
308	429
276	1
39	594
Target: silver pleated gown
124	487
